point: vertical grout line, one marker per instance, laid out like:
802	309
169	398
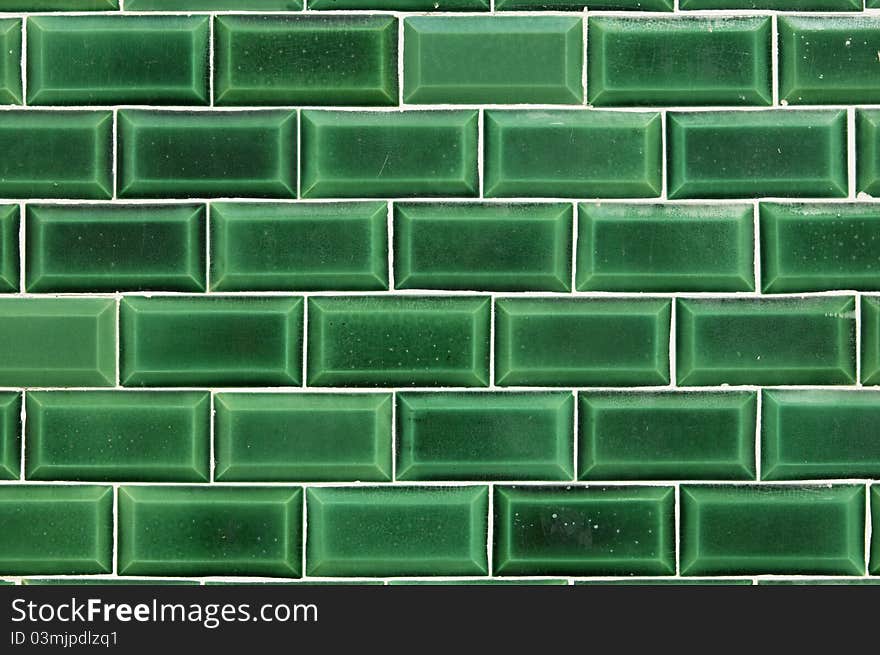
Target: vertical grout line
22	418
576	435
677	508
575	228
759	403
305	529
116	529
490	528
390	247
851	152
858	328
299	153
663	157
399	62
774	63
305	337
393	436
211	19
481	120
22	253
673	377
118	342
211	452
24	60
868	528
584	44
207	247
114	154
756	238
492	341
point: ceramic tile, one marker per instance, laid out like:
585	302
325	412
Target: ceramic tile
867	153
870	335
10	58
401	5
10	435
9	255
212	5
61	5
578	5
781	5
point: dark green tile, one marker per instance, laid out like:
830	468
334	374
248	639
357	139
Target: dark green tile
746	154
870	370
117	435
483	59
399	531
375	154
486	247
572	154
874	566
211	341
679	61
56	530
115	248
398	341
762	529
822	581
403	5
667	436
112	582
304	246
487	581
584	531
61	5
485	436
290	437
9	260
10	435
578	5
766	341
10	61
298	583
309	60
653	582
212	5
781	5
588	342
867	152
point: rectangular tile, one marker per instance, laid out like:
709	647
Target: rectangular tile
489	59
485	436
874	565
578	5
766	341
117	436
112	582
395	532
870	335
382	154
206	154
402	5
308	437
60	5
641	247
56	530
780	5
309	60
73	248
292	247
747	154
762	529
584	531
10	61
213	5
667	436
10	435
588	342
211	341
867	152
254	531
398	341
484	247
9	258
566	153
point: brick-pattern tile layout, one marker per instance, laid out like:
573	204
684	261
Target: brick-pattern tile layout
451	291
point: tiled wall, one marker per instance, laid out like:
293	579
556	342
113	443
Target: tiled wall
476	291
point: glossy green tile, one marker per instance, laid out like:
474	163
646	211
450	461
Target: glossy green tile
75	60
398	341
403	5
578	5
309	60
588	342
308	437
211	5
9	260
766	341
653	582
870	335
679	61
629	247
210	531
56	154
74	248
584	531
874	566
10	435
490	59
57	342
56	530
867	152
115	436
486	247
667	436
399	531
781	5
822	581
111	582
486	581
564	153
206	154
308	246
381	154
61	5
746	154
485	436
746	530
211	341
10	61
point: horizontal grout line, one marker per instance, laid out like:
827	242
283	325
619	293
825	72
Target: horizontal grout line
490	389
359	484
406	107
860	199
574	13
444	293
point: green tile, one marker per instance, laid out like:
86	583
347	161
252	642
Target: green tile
867	152
584	531
112	582
75	60
781	5
485	436
486	581
10	61
56	530
290	437
211	341
115	248
544	342
57	342
204	154
56	154
399	531
376	154
874	565
9	261
745	154
10	435
642	247
403	5
822	581
766	341
679	61
474	59
210	531
212	5
578	5
653	582
117	435
299	583
487	247
309	60
308	246
870	340
564	153
762	529
398	341
667	436
61	5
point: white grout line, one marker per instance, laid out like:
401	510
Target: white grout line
305	531
24	60
211	20
758	427
858	330
868	527
114	154
23	428
305	341
756	239
492	319
851	153
207	247
664	183
400	61
481	141
673	374
394	445
774	61
22	251
115	529
575	228
584	60
118	335
390	247
490	531
212	413
434	484
677	524
299	153
576	438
